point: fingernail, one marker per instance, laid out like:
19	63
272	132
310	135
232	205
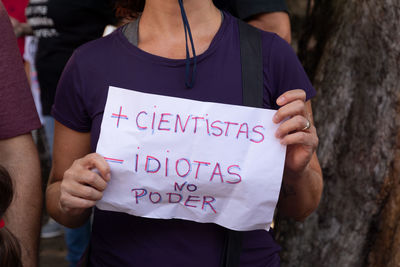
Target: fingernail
108	176
275	118
280	100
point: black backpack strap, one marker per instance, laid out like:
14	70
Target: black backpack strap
252	84
252	65
232	249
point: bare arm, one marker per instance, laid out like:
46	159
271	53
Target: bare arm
73	187
20	29
302	180
301	193
277	22
19	156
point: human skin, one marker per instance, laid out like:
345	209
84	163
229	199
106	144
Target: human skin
302	178
74	188
277	22
296	181
23	218
20	29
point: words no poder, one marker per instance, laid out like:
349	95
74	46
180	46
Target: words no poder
177	197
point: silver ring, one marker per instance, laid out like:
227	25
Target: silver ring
308	125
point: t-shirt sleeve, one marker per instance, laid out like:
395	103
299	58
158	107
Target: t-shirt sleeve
69	106
282	69
18	113
248	8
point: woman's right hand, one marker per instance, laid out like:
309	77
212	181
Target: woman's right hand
82	185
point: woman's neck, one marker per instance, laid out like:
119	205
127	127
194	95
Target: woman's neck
161	26
165	15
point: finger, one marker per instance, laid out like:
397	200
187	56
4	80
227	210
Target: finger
76	189
71	202
290	96
87	192
301	138
87	177
294	108
296	123
96	161
78	174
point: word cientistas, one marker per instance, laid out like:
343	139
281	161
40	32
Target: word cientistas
178	123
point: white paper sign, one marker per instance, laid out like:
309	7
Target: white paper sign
199	161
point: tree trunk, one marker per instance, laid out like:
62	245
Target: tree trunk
352	51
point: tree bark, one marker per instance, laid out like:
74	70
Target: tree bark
351	49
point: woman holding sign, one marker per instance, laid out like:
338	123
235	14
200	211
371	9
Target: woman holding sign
162	54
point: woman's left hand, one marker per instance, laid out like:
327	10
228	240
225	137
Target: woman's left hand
298	131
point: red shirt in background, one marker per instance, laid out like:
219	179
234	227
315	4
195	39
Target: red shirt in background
16	9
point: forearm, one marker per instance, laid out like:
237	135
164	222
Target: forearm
19	156
20	29
55	211
24	30
277	22
300	193
69	147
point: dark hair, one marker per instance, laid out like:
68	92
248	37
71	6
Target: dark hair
128	8
10	250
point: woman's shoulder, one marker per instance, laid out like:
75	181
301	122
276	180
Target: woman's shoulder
276	50
273	42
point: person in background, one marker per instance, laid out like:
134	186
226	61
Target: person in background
268	15
26	43
18	152
10	250
29	59
16	12
61	26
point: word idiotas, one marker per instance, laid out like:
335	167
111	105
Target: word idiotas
188	168
178	123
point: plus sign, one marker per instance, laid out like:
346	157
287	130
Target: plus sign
119	116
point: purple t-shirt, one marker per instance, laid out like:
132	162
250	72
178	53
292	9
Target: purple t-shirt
119	239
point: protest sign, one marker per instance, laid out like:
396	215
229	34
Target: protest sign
199	161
